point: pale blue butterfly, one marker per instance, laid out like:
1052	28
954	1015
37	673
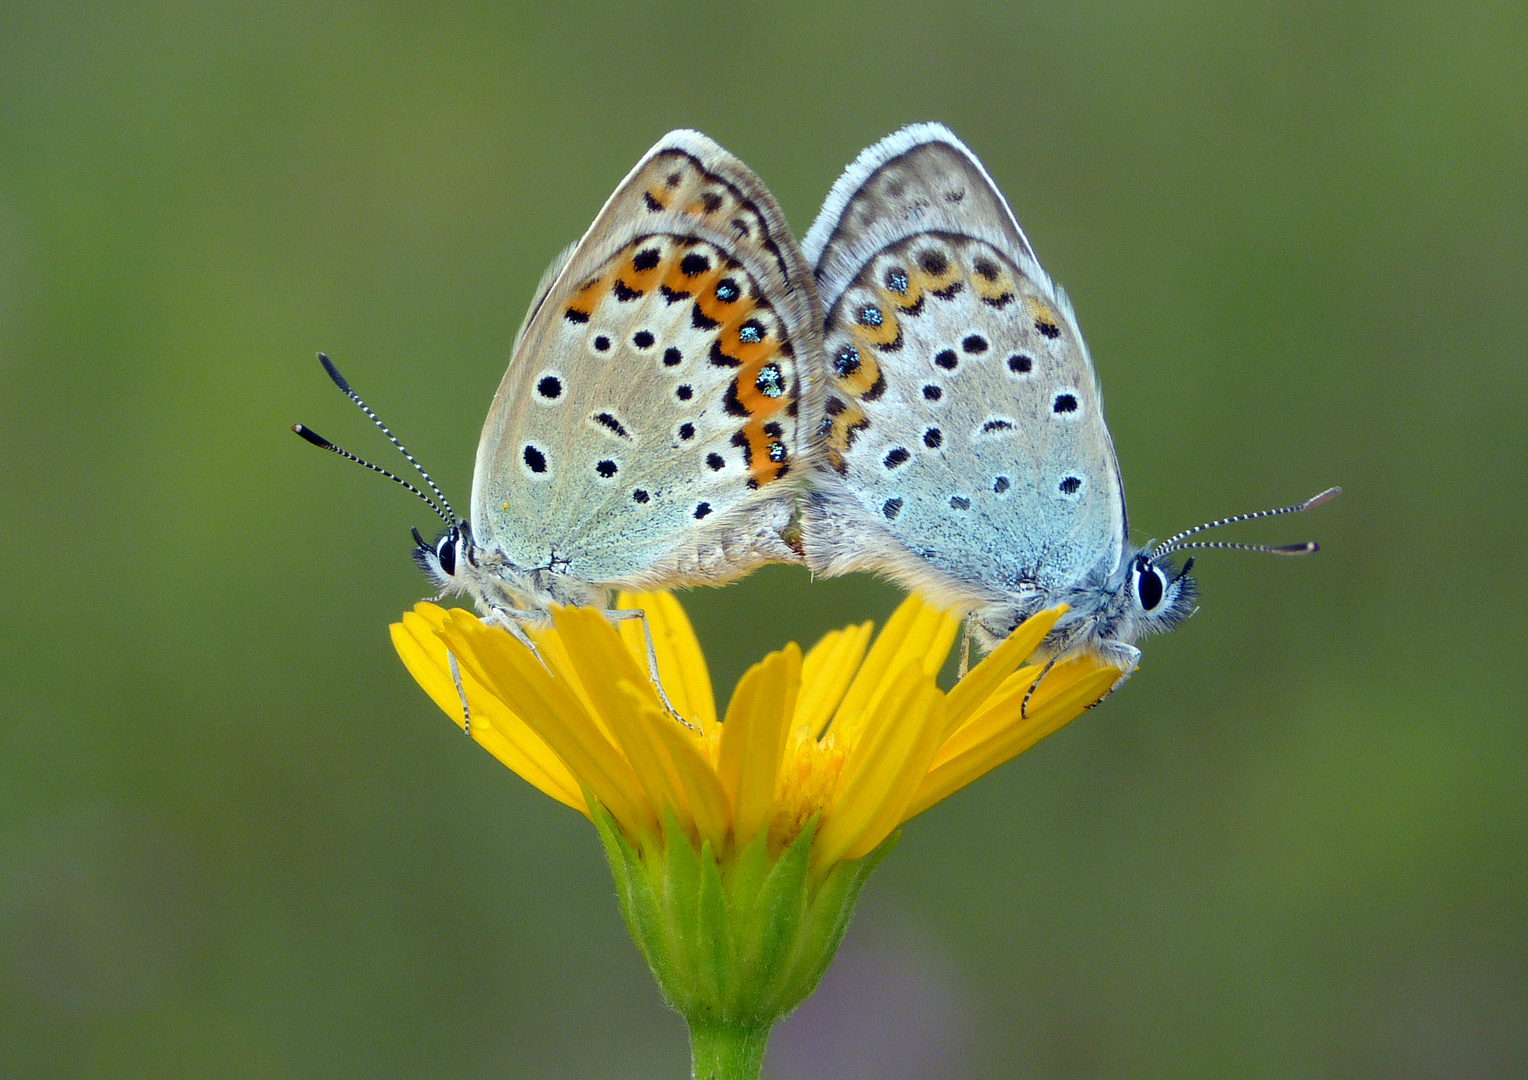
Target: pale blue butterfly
964	449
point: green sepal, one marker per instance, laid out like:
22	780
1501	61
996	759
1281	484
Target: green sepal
827	918
678	883
735	941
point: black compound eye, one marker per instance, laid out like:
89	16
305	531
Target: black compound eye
1149	587
446	553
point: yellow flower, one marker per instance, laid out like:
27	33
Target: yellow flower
855	734
739	847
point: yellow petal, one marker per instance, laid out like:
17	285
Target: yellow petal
884	766
681	664
700	792
991	717
553	711
826	673
915	631
1079	684
985	677
605	669
753	739
554	651
495	727
999	731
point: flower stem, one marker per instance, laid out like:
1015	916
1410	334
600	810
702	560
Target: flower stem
726	1051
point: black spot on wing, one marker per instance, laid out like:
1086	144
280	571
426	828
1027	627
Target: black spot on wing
770	381
611	424
721	358
730	401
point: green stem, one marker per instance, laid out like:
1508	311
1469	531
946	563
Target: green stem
726	1051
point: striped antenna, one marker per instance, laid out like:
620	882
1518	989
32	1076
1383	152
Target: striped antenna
324	444
339	380
1175	543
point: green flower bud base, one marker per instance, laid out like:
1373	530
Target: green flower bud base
735	942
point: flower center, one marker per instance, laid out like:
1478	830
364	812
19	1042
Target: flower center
807	780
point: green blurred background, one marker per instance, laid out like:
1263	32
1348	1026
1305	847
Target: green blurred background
237	841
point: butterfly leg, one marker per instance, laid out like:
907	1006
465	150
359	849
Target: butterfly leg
461	692
1024	708
513	620
652	660
1125	657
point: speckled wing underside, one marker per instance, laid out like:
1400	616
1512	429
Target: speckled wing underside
651	427
965	450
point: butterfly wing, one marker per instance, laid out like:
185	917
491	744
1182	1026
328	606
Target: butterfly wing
965	449
649	428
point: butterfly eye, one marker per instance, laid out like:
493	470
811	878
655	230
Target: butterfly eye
446	553
1149	587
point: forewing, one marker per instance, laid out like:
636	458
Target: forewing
965	448
651	425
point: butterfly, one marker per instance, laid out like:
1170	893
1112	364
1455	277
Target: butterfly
656	407
964	452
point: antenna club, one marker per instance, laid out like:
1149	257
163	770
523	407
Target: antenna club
1326	496
313	437
334	373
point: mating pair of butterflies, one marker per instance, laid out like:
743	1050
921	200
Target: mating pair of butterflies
693	394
